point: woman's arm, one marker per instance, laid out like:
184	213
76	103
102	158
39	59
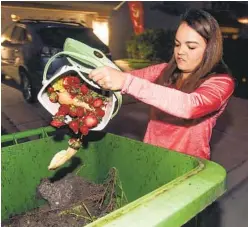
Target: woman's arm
150	73
209	97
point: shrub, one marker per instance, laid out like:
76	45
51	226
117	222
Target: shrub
153	45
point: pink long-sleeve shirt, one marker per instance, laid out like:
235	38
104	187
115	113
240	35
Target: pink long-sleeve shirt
180	121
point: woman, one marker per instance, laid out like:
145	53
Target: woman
188	94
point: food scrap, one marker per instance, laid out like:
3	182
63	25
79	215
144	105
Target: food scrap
83	104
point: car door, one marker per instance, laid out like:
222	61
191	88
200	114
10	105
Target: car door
15	51
6	48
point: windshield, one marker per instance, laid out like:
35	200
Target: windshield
56	36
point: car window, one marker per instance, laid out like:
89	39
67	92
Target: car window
56	36
19	35
15	34
23	35
7	33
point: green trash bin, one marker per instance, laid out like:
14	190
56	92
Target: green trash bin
164	188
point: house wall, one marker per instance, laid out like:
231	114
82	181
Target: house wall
121	30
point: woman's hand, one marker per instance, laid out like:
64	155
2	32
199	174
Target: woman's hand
108	78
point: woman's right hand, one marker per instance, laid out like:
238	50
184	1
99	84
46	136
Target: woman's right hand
108	78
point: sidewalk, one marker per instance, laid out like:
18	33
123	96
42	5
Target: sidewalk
17	115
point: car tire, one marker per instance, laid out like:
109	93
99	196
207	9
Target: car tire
27	87
3	78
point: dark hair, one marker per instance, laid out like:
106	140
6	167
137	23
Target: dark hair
205	25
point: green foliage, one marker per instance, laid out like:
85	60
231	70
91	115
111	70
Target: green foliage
140	63
153	45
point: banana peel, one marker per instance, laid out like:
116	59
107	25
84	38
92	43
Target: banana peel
61	157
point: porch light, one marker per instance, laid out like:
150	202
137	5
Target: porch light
101	29
243	20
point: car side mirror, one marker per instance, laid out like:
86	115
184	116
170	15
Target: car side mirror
5	42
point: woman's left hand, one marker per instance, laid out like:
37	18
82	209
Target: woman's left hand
108	78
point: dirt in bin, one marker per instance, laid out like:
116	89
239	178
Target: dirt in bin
72	201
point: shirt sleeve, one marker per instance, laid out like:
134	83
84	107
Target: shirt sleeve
207	98
150	73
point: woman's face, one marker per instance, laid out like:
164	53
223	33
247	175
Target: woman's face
189	48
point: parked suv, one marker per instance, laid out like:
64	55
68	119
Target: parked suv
27	45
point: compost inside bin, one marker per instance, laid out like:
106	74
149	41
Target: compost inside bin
73	201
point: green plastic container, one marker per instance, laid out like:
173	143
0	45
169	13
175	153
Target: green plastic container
164	188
